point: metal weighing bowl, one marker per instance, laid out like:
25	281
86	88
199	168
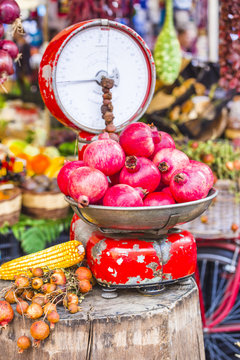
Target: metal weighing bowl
141	219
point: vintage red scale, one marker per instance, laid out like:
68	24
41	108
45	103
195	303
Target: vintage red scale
133	247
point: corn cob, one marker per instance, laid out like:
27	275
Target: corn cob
59	256
167	52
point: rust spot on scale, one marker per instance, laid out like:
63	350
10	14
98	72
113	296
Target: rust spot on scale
97	250
162	249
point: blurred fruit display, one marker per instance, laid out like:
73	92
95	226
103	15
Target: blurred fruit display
229	46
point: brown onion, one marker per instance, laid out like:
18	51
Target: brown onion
37	283
58	278
22	307
10	297
49	307
34	311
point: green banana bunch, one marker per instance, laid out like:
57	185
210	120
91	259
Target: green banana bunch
167	52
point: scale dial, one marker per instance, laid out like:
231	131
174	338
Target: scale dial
74	63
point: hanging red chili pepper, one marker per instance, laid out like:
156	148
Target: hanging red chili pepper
80	10
229	46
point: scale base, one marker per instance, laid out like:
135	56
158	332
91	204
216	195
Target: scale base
111	292
150	291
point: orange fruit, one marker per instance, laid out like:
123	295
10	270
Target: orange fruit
40	163
84	286
83	273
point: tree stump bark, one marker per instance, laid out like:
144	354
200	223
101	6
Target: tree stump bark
131	326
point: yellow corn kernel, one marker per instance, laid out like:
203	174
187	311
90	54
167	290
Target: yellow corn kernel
59	256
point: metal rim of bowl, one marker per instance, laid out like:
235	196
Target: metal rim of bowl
173	206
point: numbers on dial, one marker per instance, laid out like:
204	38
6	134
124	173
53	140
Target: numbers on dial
83	56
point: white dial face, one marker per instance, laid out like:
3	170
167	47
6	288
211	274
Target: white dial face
89	52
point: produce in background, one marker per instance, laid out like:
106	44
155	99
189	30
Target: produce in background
6	66
39	160
80	10
59	287
167	52
220	156
229	45
9	14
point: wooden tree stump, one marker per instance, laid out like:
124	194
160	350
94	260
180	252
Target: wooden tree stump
131	326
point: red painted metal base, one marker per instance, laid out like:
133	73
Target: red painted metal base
134	261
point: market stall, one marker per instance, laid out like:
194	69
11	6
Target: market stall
152	157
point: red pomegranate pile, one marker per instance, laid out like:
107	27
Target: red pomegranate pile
143	169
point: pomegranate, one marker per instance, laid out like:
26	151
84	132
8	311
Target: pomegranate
34	311
64	174
103	136
6	313
122	195
167	190
205	169
166	142
138	139
23	343
39	331
168	161
105	155
158	199
87	185
140	172
53	317
83	273
114	179
155	134
161	186
188	185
